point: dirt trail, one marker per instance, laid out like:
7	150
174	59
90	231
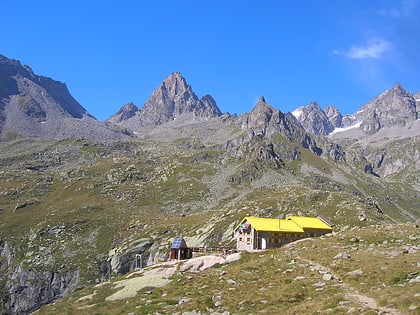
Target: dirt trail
352	294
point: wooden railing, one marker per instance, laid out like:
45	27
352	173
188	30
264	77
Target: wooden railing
214	250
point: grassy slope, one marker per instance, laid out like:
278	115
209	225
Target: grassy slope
104	195
289	281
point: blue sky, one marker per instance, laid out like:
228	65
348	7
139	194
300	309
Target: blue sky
109	53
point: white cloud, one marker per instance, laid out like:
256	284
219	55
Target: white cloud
373	49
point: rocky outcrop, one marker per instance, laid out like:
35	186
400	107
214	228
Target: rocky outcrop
123	259
266	122
173	98
29	289
25	290
334	116
134	254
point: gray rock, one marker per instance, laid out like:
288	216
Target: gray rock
29	289
184	300
230	281
357	272
123	260
327	277
319	284
342	255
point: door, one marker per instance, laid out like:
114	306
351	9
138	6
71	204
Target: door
263	243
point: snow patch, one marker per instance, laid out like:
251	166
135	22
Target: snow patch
336	130
297	112
383	93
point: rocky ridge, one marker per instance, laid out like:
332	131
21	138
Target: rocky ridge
37	106
395	107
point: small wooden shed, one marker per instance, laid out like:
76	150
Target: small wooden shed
180	250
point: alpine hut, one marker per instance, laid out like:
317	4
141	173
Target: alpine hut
263	233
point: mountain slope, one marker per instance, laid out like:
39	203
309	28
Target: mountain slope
37	106
76	212
363	271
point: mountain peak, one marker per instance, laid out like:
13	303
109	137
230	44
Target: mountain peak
32	105
394	107
173	97
174	76
127	111
262	105
261	113
398	87
262	99
313	119
175	83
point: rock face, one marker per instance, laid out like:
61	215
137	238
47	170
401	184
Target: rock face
393	108
173	98
30	289
16	78
37	106
265	121
315	120
263	128
24	291
334	116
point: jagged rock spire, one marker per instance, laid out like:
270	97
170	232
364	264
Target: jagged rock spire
172	98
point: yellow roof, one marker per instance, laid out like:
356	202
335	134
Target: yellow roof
272	225
309	223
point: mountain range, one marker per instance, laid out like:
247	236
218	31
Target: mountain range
81	198
38	106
